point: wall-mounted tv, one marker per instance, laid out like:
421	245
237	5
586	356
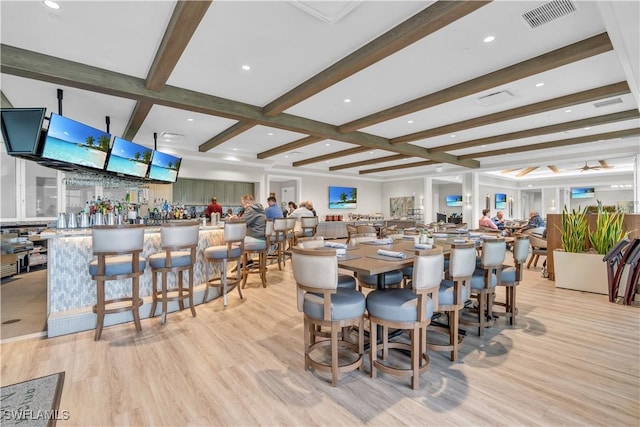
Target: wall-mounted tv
454	201
74	142
343	197
583	193
501	201
129	158
164	167
21	130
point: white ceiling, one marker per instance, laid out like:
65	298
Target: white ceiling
285	45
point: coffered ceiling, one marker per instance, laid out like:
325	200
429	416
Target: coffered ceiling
377	89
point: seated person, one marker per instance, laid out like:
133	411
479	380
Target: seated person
301	211
273	211
535	221
485	221
498	220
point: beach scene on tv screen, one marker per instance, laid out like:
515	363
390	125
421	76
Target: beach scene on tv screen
164	167
343	197
73	142
129	158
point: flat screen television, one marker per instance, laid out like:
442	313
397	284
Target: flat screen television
583	193
129	158
164	167
343	198
454	201
501	201
21	130
73	142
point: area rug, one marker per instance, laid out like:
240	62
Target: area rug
33	402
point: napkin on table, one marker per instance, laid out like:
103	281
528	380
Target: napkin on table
391	253
335	245
422	246
386	241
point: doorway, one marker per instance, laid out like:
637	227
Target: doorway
288	194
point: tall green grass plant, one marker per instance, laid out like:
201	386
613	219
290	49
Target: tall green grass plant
574	230
608	230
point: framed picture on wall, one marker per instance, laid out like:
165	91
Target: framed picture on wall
343	197
501	201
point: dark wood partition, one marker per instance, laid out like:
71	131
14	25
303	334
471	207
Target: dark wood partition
554	240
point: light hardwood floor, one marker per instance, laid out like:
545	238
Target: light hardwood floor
572	359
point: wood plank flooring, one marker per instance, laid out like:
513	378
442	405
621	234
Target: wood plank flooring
572	359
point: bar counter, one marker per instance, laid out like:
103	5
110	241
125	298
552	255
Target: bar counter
71	293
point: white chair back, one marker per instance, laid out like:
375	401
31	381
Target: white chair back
311	242
314	269
428	270
493	252
363	237
462	260
117	238
179	234
521	249
235	231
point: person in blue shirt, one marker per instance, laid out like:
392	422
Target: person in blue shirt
535	221
499	220
273	211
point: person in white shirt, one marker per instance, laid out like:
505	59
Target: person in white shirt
301	211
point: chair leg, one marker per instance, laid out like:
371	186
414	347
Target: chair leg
99	309
191	305
163	318
454	321
361	340
238	278
334	355
307	341
373	347
180	291
154	295
263	268
481	315
135	296
416	356
223	279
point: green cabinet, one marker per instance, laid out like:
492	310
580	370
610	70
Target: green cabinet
200	192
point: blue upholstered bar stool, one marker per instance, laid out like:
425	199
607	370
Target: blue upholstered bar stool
231	251
179	241
118	249
291	233
326	306
280	233
409	309
511	277
452	295
260	267
485	280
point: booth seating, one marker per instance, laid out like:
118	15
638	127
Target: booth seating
231	251
511	277
452	295
485	280
118	249
408	309
179	241
325	305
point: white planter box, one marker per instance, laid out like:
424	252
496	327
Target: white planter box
580	271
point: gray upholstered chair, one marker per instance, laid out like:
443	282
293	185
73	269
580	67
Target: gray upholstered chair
484	281
409	309
452	295
251	266
280	231
179	241
118	249
309	226
231	251
511	276
326	306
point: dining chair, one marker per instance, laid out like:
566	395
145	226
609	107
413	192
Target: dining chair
325	305
220	256
179	241
351	230
309	226
484	281
407	309
275	240
452	295
512	276
315	242
118	250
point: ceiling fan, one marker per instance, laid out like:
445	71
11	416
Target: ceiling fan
586	167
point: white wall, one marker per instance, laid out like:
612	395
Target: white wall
406	188
316	189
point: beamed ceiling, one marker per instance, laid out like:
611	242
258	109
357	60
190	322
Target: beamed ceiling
427	95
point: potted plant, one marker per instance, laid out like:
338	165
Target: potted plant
575	266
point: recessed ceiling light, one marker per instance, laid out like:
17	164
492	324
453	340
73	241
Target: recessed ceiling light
51	4
189	120
327	145
246	67
270	134
482	146
235	149
453	136
567	111
347	100
489	39
530	185
371	152
587	128
539	84
409	121
286	156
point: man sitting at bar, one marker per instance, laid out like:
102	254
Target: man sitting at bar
273	211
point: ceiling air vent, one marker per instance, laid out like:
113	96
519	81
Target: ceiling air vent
548	12
171	136
495	98
608	102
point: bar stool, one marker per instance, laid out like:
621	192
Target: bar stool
511	277
118	249
408	309
260	267
232	250
345	281
281	238
309	225
179	241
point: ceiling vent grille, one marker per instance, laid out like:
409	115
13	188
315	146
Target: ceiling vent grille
495	98
171	135
608	102
548	12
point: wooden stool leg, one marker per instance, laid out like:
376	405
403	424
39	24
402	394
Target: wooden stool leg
238	278
416	356
154	294
135	296
163	316
223	279
373	347
180	291
334	355
454	322
191	305
99	309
